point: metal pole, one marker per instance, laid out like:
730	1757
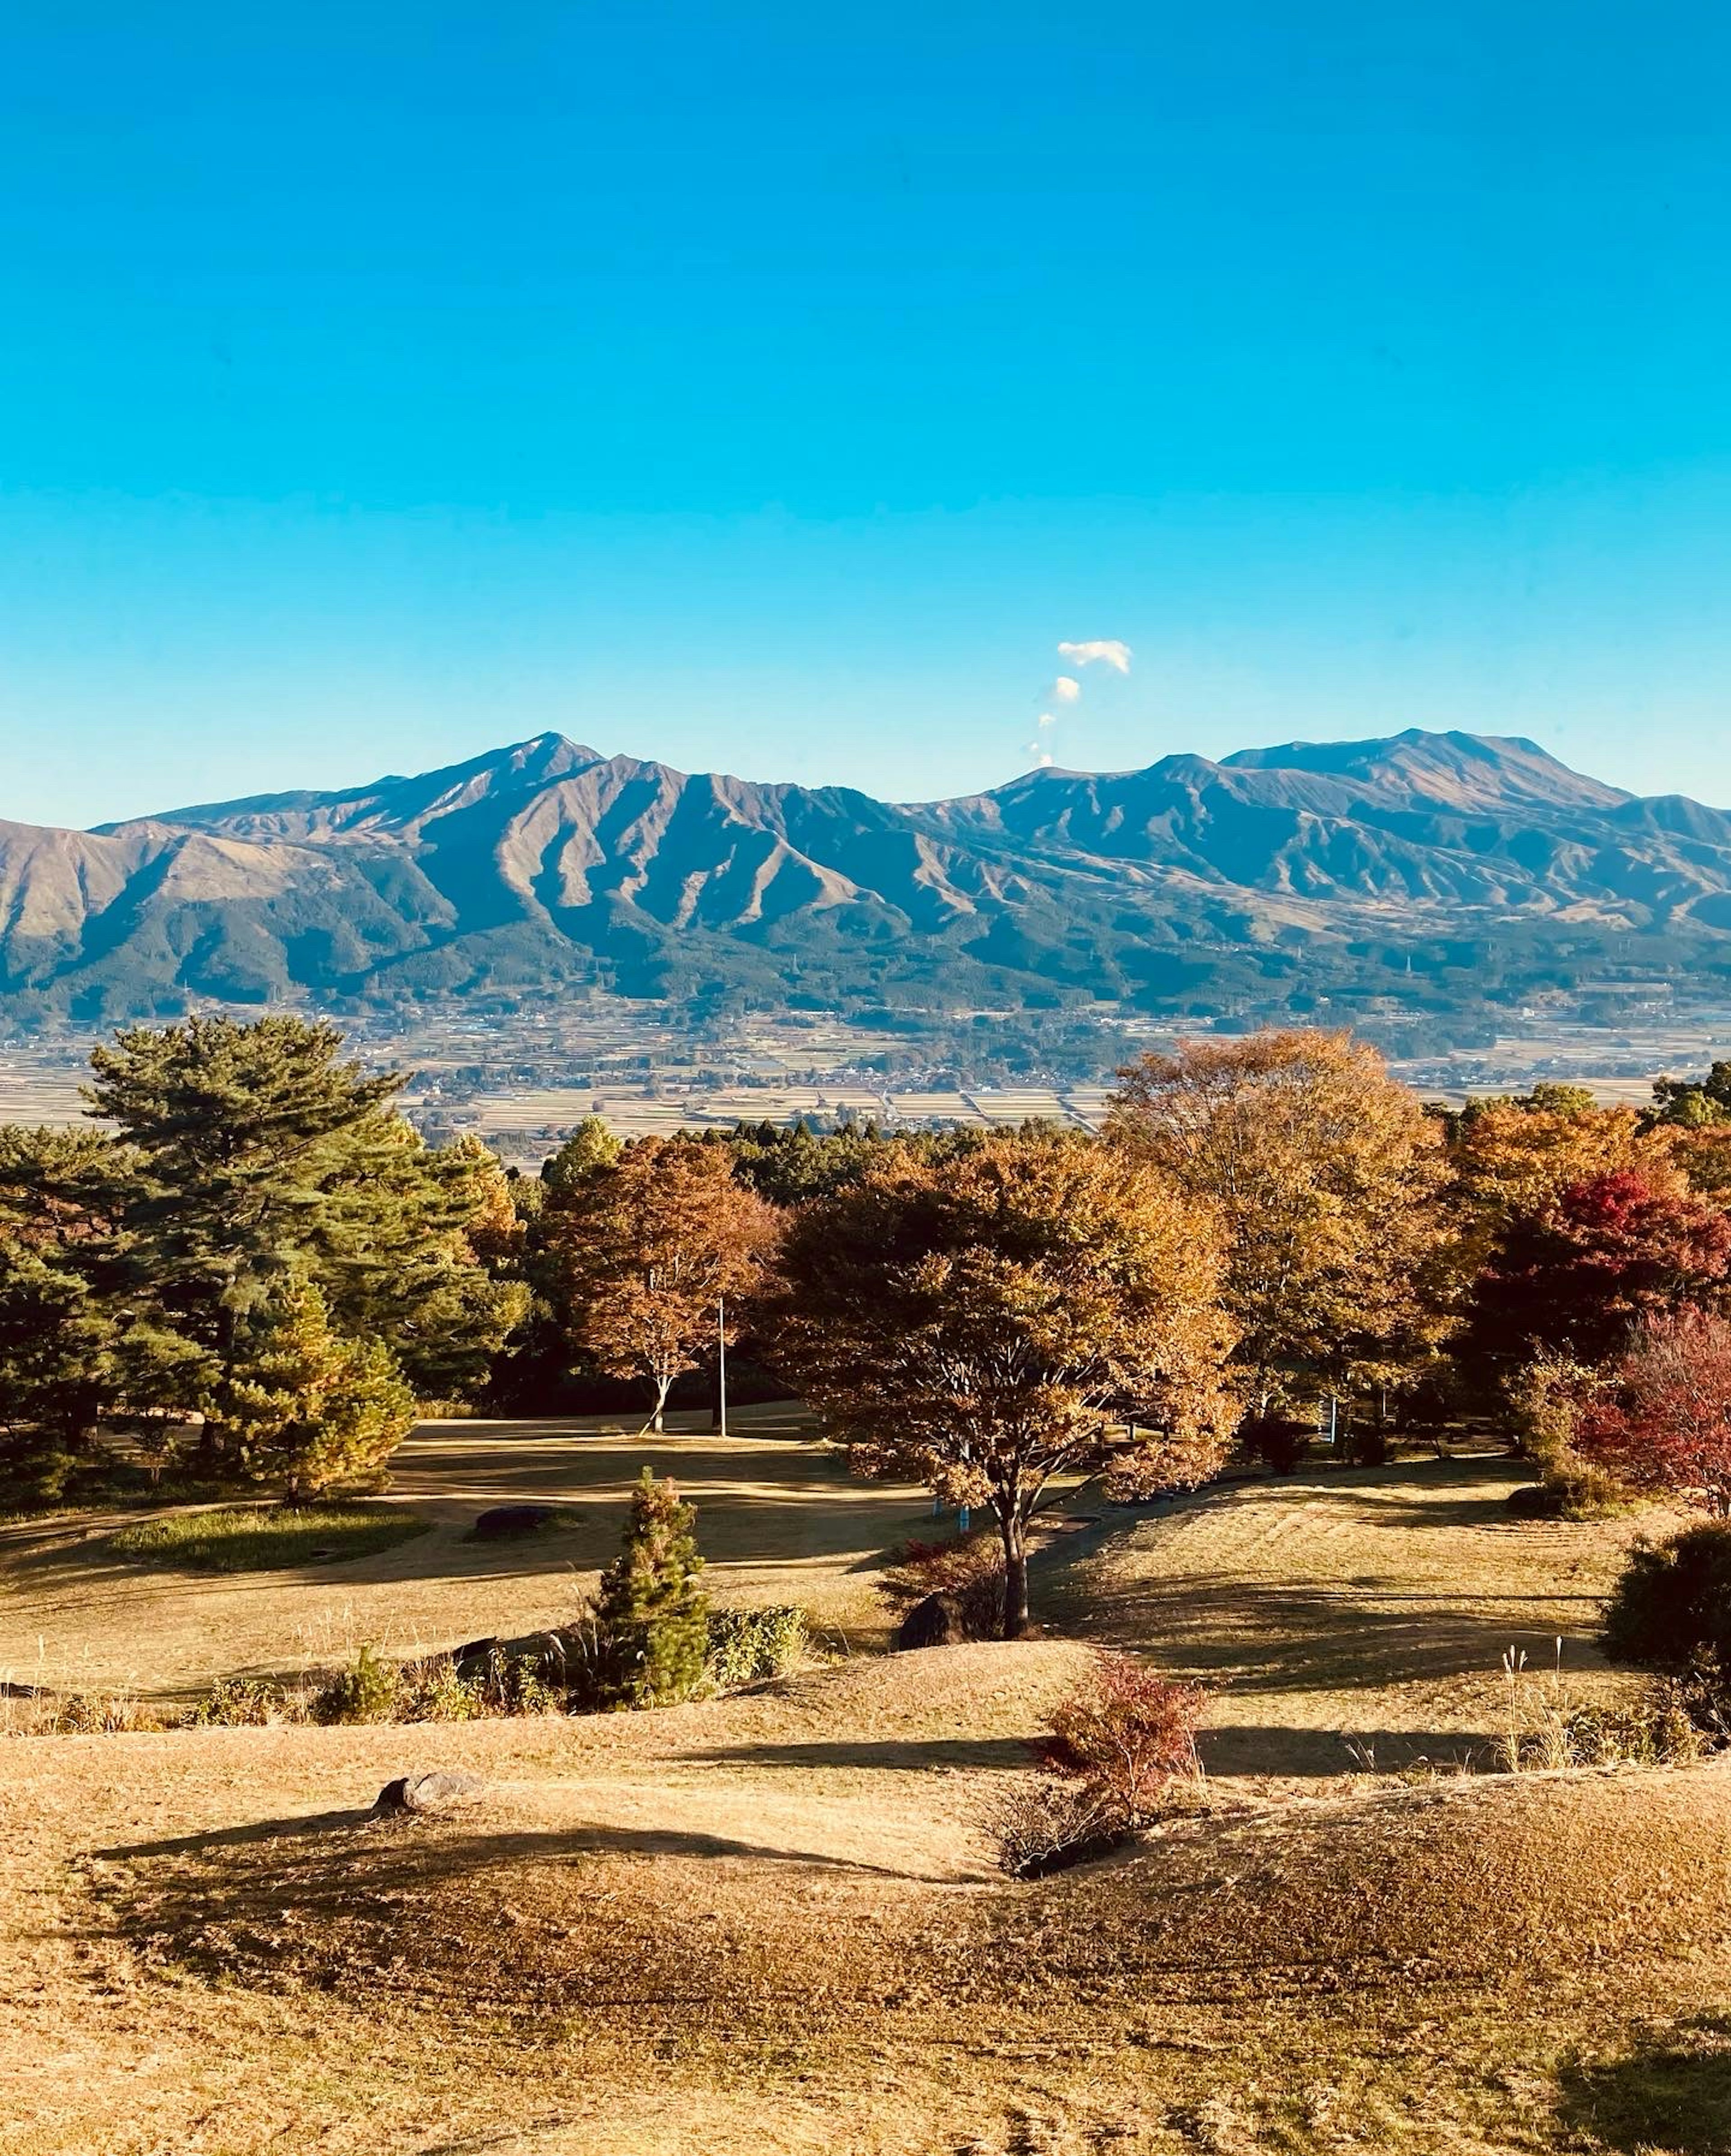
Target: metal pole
721	1319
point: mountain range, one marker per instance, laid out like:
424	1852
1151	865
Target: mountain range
1415	866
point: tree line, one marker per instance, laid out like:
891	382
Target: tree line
254	1269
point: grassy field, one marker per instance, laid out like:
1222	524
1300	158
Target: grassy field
770	1923
780	1521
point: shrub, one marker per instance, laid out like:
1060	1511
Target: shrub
1543	1729
92	1714
1125	1739
967	1568
432	1691
1662	1420
1547	1399
1280	1442
1365	1445
243	1702
1660	1730
516	1684
748	1645
1671	1611
366	1693
1045	1826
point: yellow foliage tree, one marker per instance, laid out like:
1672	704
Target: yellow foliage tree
1040	1305
1327	1174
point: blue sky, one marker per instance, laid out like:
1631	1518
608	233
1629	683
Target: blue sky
772	388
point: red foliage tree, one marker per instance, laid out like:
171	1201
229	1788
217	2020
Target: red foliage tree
1662	1420
1573	1278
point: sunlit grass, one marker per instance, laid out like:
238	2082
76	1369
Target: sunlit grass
266	1539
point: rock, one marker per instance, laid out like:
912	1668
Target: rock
935	1622
503	1522
442	1791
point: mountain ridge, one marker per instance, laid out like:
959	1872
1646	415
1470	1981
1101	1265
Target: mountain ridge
546	863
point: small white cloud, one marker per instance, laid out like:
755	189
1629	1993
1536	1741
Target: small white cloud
1047	719
1045	760
1066	690
1102	651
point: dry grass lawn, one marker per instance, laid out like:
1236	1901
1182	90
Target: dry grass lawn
781	1520
770	1923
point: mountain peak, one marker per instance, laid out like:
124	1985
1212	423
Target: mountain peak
1451	769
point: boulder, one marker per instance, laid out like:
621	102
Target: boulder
935	1622
503	1522
443	1790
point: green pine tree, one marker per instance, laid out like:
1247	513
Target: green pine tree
305	1409
652	1615
257	1150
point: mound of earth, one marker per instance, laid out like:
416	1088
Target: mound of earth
744	1905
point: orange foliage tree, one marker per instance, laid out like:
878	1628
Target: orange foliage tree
1040	1305
646	1249
1327	1174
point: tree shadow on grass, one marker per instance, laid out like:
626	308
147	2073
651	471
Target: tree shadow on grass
1277	1637
341	1854
1672	2101
1232	1749
913	1755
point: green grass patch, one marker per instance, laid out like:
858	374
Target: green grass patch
266	1539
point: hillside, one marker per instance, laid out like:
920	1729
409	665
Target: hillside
1429	867
771	1923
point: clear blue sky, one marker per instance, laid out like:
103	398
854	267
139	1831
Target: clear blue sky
773	387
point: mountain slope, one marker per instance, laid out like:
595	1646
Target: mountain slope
1344	867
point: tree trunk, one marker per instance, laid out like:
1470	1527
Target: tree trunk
658	1415
1013	1527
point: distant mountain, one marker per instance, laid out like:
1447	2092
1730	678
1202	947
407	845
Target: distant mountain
1275	876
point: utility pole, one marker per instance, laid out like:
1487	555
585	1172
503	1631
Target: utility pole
721	1329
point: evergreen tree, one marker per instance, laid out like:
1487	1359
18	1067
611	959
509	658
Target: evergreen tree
260	1152
591	1145
304	1408
54	1339
652	1614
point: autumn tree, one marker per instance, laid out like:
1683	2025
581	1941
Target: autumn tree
1512	1155
648	1249
1573	1276
1661	1420
1039	1305
1327	1174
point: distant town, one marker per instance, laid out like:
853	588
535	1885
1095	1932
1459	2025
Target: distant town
521	1077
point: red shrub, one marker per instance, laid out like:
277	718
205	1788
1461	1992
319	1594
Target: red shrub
1663	1420
1126	1737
